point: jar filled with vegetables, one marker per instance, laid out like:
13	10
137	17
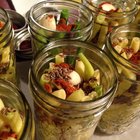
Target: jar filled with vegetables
16	120
72	84
7	55
109	14
123	44
137	19
53	20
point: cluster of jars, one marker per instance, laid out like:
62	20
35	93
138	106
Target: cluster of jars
104	30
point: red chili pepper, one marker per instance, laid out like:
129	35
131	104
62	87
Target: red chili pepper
68	87
64	27
62	21
1	24
48	87
64	65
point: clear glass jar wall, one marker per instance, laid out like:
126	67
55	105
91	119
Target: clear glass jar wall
73	13
7	55
16	117
125	109
137	19
109	14
62	119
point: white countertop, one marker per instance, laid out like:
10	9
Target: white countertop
22	6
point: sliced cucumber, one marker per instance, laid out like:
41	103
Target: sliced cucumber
12	117
1	104
97	75
80	68
44	79
60	94
123	86
59	58
77	95
129	74
135	44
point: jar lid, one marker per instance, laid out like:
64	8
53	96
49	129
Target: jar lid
23	46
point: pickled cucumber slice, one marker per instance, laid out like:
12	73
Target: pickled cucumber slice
102	35
59	58
129	74
123	86
60	94
97	75
89	72
96	29
6	55
1	104
80	68
44	79
12	117
135	44
1	124
77	95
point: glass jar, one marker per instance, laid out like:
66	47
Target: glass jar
20	120
7	55
137	19
62	119
109	14
74	13
125	109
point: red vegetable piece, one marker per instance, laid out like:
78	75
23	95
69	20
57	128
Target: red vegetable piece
48	87
135	58
64	27
62	21
64	65
1	24
68	87
60	28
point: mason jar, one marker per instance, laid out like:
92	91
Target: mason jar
109	14
45	24
16	116
137	19
7	55
65	119
125	109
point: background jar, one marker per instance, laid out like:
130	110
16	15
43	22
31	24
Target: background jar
12	97
70	120
125	109
137	19
104	20
7	55
41	36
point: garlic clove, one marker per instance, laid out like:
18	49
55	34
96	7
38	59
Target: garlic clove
48	22
75	78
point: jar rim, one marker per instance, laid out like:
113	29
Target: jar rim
7	19
25	104
73	3
122	29
117	14
86	45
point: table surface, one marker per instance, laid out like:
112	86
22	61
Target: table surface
23	68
